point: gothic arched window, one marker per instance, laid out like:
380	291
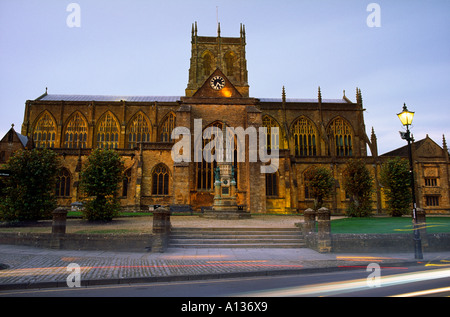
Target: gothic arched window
272	136
305	137
207	63
108	130
229	63
167	127
75	134
44	134
63	183
139	130
340	132
160	179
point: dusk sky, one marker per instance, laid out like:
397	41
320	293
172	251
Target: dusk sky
131	47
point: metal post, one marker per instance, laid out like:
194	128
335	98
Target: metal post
417	240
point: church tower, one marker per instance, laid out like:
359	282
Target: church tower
226	53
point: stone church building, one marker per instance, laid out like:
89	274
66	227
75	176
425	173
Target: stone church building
315	131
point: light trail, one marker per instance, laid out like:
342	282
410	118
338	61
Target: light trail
351	285
425	292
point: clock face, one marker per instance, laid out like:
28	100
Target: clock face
217	82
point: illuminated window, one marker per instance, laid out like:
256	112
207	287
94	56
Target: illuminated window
272	135
108	132
167	127
75	135
160	177
45	131
205	170
305	138
341	132
139	130
272	184
63	183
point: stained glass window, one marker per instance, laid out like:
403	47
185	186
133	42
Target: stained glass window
75	134
160	177
341	132
108	132
139	130
305	138
44	135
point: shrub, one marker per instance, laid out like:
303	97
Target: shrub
29	193
358	185
396	179
319	182
99	180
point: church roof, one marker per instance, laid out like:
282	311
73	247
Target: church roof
57	97
299	100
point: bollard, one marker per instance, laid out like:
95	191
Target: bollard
58	226
59	220
309	218
324	230
161	229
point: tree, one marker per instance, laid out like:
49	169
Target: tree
358	185
99	180
30	187
396	179
319	182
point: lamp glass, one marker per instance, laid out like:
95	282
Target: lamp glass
406	117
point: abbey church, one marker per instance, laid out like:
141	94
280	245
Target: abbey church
316	131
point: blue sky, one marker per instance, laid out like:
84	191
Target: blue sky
139	47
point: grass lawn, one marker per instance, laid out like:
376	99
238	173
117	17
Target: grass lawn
387	225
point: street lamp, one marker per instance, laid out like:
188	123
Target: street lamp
406	117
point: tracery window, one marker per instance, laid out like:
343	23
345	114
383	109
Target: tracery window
139	130
108	132
167	127
305	137
63	183
44	135
341	133
205	170
160	178
272	135
75	135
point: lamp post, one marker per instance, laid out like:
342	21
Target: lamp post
406	117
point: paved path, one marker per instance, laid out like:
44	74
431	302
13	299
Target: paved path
30	267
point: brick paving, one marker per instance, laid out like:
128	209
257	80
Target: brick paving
34	267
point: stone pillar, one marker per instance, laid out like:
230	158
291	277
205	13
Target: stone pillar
161	229
58	226
324	230
422	226
309	217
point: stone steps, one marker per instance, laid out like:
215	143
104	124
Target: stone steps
236	238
